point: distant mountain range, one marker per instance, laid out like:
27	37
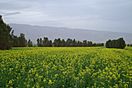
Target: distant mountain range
34	32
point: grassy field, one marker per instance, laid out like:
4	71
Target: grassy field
80	67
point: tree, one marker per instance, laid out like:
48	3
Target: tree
108	44
84	43
57	42
63	43
90	43
30	44
69	42
50	43
41	42
119	43
74	42
5	36
22	40
38	42
122	43
47	42
15	41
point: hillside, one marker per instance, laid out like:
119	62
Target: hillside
34	32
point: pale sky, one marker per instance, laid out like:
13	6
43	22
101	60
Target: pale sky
105	15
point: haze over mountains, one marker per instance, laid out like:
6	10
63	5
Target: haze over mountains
34	32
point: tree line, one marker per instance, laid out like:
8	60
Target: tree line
45	42
129	45
20	41
8	40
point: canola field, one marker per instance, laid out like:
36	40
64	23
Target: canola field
57	67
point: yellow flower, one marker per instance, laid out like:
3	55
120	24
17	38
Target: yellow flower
10	82
50	82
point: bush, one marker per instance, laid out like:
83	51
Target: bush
119	43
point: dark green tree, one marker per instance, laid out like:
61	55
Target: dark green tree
50	43
57	42
47	42
63	43
41	42
108	44
90	43
85	43
69	42
16	42
5	36
38	42
122	43
30	44
22	40
119	43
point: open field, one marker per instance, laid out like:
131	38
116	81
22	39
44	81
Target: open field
78	67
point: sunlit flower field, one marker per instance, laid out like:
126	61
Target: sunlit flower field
79	67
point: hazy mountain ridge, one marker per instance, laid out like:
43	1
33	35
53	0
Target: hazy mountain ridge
34	32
